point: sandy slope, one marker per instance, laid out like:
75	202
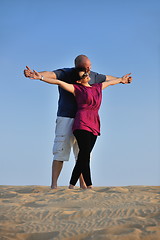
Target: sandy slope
110	213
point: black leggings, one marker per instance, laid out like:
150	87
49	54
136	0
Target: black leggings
86	141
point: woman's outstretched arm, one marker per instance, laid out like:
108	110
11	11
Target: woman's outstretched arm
125	80
66	86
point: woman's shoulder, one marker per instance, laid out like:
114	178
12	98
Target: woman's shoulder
78	87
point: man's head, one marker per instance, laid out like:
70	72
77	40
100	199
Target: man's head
83	61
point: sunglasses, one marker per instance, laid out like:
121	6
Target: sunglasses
84	75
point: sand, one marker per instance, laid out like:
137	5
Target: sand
108	213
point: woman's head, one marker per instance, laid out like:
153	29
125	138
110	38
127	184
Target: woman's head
82	76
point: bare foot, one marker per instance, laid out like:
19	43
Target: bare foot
71	186
82	182
53	187
83	186
89	187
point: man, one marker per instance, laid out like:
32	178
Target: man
64	138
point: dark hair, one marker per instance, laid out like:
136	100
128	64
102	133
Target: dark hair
75	74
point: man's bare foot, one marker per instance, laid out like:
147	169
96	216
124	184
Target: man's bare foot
89	187
71	186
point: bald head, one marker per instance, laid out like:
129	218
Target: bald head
82	61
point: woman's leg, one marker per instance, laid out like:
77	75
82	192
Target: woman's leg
86	168
86	141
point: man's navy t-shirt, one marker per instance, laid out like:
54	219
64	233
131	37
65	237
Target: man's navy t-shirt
67	106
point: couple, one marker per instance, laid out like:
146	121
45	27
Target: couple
80	98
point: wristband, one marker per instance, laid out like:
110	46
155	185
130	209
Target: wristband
42	77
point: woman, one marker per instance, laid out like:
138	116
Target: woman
86	125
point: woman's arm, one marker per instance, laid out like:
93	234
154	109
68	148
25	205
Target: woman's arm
108	78
111	82
125	80
66	86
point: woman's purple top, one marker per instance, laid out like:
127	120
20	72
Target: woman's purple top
88	102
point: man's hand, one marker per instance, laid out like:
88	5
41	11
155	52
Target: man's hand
126	79
28	72
31	73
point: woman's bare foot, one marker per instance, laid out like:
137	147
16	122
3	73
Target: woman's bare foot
71	186
89	187
83	186
53	187
82	182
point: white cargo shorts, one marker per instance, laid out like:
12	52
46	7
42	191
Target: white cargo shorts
64	140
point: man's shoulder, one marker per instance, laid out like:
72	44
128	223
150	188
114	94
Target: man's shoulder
65	70
92	72
97	77
95	73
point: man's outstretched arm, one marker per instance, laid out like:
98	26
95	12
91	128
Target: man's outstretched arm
31	73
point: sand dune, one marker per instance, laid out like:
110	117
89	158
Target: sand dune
104	213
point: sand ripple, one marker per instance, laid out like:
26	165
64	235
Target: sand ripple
105	213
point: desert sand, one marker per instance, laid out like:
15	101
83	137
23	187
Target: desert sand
108	213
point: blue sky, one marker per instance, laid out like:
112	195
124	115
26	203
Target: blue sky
119	37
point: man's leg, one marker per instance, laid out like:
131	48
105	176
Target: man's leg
63	142
56	169
61	148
